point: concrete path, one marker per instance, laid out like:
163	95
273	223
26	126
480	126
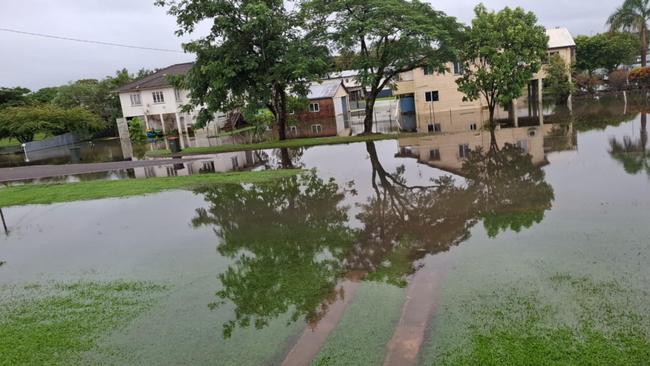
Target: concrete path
47	171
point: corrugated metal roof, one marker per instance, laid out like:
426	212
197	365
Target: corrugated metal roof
326	89
157	79
559	38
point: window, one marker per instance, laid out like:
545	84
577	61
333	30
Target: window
458	68
158	97
208	167
431	96
434	155
235	163
316	129
428	70
135	99
314	107
523	145
463	151
293	130
435	127
171	172
177	95
473	127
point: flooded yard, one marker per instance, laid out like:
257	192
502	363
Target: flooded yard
445	249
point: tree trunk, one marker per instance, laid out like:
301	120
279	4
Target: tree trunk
285	158
644	46
279	108
370	110
493	137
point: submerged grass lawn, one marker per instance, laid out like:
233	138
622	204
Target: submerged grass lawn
66	192
292	143
56	328
524	329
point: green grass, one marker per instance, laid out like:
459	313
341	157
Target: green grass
29	194
54	326
292	143
366	327
13	142
521	328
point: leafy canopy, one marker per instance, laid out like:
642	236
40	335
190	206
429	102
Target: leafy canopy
23	122
254	48
558	78
502	52
607	51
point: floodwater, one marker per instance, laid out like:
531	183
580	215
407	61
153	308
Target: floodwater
405	252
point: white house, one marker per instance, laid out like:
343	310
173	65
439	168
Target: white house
153	100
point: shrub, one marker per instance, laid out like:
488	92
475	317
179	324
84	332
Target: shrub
136	132
640	76
586	82
618	79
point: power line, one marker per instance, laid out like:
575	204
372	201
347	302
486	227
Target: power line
88	41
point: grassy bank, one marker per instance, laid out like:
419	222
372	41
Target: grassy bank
54	325
292	143
13	142
65	192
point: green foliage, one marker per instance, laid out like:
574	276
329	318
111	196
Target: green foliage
255	54
558	80
633	16
136	130
606	51
502	52
54	326
12	97
633	154
44	95
22	123
383	38
34	194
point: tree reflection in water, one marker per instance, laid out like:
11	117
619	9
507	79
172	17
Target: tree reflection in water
287	239
403	223
633	154
291	240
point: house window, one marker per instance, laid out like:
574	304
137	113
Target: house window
463	151
208	167
431	96
523	145
293	130
458	68
314	107
316	129
473	127
158	97
135	99
435	127
428	70
177	95
171	172
434	155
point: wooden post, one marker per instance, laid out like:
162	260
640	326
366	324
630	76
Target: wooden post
515	116
540	99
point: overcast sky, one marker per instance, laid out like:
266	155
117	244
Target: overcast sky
36	62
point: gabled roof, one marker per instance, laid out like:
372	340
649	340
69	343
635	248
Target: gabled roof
326	89
559	38
157	79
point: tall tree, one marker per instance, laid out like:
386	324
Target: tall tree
558	79
386	38
255	53
502	52
633	16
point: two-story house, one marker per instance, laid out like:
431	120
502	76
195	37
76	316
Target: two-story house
430	101
156	102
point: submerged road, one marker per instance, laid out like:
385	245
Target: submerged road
48	171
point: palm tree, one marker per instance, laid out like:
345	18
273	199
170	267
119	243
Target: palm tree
633	16
634	155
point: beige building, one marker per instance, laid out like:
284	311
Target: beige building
431	102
